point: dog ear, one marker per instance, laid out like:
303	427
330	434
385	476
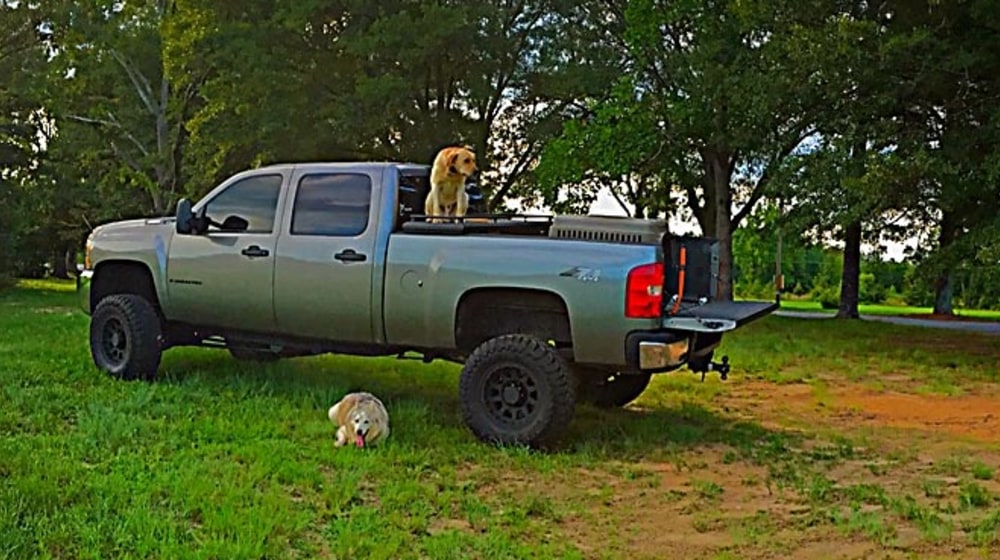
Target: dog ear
453	158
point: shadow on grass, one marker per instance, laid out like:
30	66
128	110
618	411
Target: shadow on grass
423	402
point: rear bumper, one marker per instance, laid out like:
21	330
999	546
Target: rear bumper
655	351
83	280
689	335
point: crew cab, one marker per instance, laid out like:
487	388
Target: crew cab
288	260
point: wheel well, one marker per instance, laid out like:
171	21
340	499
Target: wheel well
484	313
123	277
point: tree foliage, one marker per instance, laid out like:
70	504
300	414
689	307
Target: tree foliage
835	120
716	96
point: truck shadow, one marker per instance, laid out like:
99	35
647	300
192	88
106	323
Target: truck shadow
424	406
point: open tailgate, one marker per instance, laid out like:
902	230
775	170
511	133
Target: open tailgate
718	316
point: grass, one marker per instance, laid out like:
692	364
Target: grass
882	309
227	460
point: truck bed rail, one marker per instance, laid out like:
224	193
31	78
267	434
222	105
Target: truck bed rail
511	224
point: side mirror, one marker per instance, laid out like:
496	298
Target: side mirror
234	223
184	216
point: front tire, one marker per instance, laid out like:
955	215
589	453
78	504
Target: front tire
516	389
610	389
125	335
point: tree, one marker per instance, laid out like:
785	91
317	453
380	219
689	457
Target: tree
354	80
115	102
24	45
727	93
958	77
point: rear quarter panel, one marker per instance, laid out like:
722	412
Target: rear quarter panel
426	276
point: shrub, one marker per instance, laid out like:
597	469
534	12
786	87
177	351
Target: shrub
870	291
828	297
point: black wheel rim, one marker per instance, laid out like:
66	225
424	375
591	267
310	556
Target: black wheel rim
114	342
511	395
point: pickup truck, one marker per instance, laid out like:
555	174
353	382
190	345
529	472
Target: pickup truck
542	312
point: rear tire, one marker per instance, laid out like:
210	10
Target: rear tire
516	389
125	337
608	388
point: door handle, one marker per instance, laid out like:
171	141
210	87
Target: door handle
255	251
350	255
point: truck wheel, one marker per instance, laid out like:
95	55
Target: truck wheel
125	337
516	389
610	389
252	355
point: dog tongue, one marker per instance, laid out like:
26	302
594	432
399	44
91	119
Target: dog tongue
359	441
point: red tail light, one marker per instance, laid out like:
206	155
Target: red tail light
644	291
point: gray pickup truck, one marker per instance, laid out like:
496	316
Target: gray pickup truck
303	259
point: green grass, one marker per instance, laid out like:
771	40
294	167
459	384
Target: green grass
880	309
222	459
790	350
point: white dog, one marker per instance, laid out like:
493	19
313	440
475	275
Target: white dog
360	416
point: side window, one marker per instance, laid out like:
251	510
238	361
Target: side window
255	199
332	204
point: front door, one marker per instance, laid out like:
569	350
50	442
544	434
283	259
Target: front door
224	278
323	274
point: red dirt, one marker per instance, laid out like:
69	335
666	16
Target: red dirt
968	416
974	416
658	510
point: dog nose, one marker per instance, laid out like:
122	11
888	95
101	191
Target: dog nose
360	432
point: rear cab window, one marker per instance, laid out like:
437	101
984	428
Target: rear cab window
332	205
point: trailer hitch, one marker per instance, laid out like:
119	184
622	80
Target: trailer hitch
708	365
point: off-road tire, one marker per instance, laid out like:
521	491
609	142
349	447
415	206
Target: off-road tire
125	337
253	355
516	389
609	389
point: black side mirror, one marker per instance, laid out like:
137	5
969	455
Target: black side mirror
234	223
185	217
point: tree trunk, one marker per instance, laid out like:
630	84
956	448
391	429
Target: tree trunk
719	202
850	280
70	259
59	269
943	290
944	284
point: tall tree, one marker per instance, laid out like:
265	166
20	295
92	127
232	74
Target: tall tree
24	46
359	80
730	90
958	75
117	105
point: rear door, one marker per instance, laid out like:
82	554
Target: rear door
225	278
323	274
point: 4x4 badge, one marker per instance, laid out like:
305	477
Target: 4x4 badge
583	274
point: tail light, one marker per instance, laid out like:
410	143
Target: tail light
644	291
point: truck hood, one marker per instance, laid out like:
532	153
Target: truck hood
125	227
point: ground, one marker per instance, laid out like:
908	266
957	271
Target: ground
829	440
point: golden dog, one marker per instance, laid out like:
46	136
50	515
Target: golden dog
360	416
447	197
